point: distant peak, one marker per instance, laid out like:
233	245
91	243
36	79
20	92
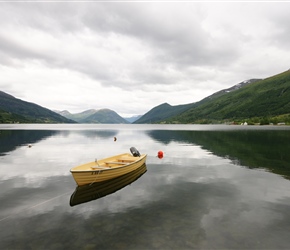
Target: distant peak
65	112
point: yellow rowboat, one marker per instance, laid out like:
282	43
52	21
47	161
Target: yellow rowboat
98	190
108	168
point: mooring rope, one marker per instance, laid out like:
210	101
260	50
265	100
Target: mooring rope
34	206
97	175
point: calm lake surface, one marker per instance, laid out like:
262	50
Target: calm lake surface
217	187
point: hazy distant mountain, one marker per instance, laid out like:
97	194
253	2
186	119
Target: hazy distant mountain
132	118
16	110
78	117
64	113
105	116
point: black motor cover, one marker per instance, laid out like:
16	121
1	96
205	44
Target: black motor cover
134	152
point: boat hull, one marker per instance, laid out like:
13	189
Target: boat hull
106	169
90	192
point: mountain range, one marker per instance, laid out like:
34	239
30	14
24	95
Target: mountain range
163	112
255	101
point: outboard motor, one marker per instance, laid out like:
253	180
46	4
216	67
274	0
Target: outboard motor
134	152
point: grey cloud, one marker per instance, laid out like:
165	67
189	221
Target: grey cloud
152	23
44	16
281	32
14	50
171	37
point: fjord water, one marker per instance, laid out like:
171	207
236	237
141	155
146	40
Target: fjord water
217	187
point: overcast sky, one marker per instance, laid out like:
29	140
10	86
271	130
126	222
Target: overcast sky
133	56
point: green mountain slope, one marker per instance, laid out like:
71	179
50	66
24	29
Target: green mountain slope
163	112
226	91
264	99
7	117
17	110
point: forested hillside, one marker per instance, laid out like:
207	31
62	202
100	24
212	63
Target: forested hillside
162	112
263	101
16	110
256	101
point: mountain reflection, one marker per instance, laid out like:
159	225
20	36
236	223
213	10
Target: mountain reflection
266	149
11	139
98	190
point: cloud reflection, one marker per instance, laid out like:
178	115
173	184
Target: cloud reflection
180	213
195	197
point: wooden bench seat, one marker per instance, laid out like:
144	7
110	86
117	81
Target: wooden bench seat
116	162
99	167
126	159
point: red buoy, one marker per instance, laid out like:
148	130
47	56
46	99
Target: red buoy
160	154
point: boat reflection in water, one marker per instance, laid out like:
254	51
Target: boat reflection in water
98	190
